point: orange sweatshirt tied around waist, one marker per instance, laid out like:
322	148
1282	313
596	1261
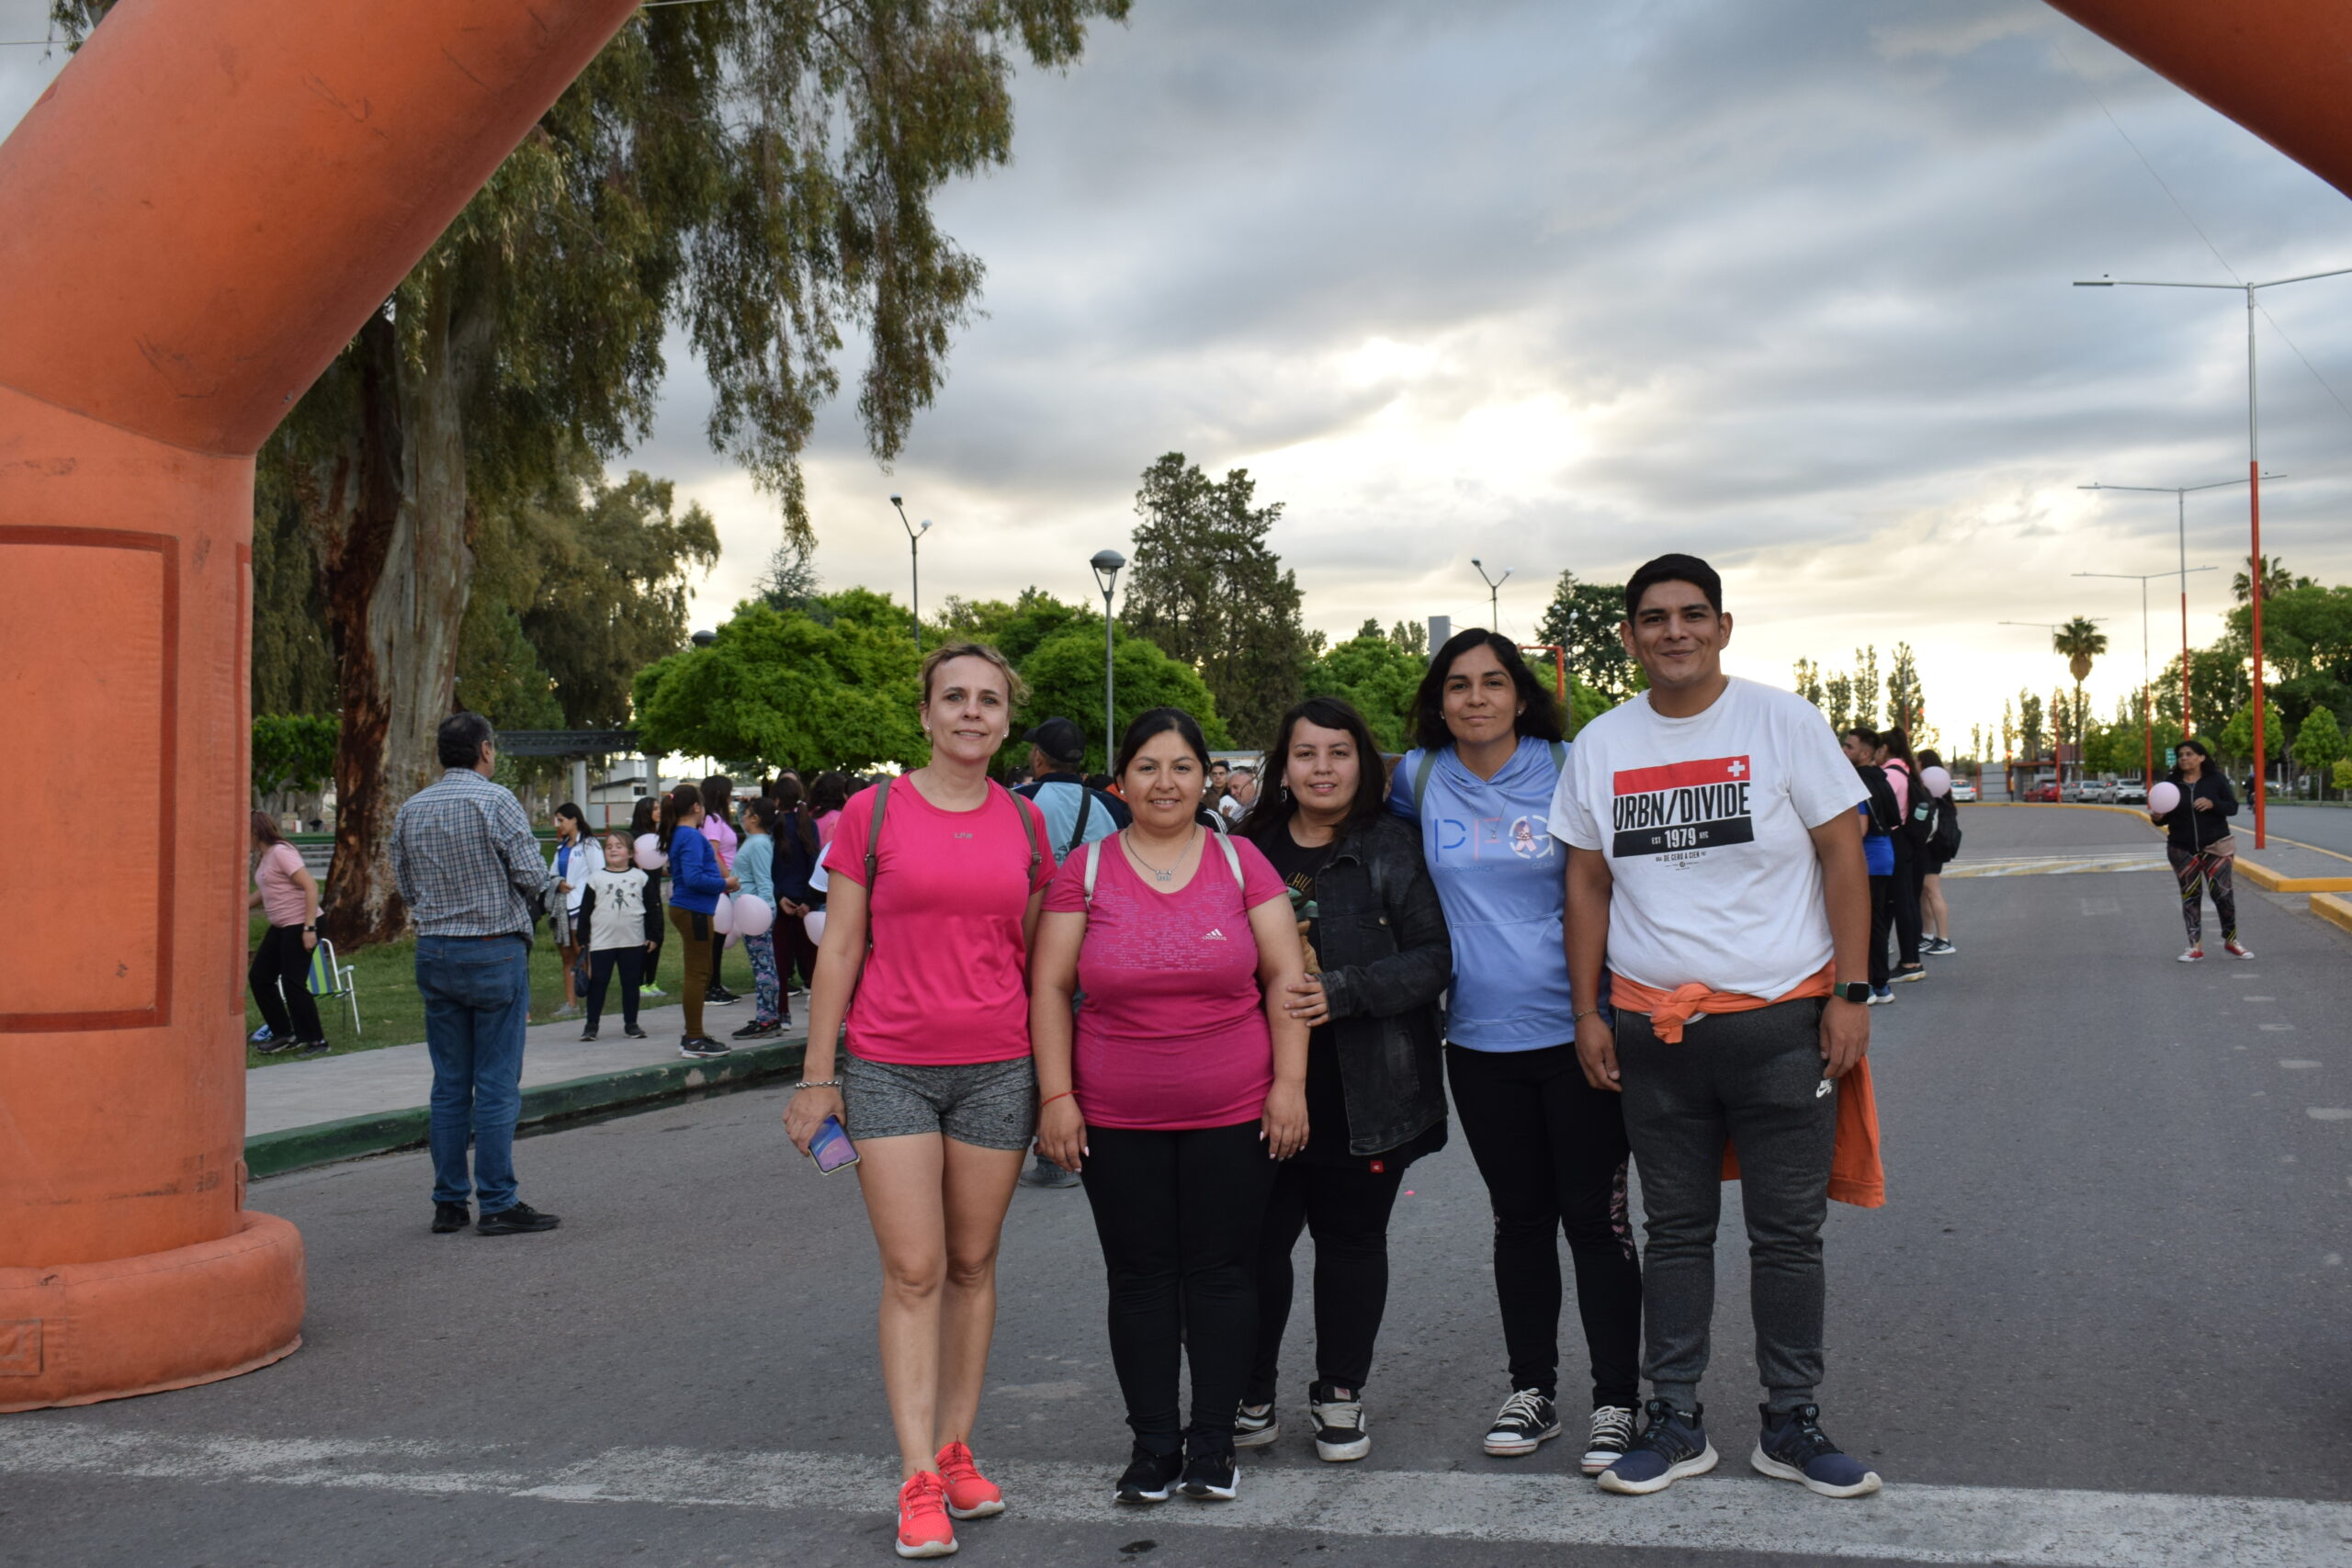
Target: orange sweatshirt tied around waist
1855	1175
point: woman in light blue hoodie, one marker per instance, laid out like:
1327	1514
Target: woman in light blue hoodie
1551	1147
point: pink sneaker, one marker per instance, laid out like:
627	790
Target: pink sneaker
970	1495
924	1529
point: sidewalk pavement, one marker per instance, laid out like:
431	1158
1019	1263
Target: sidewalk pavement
365	1102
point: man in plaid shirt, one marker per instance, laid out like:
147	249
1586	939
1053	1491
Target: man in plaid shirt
470	873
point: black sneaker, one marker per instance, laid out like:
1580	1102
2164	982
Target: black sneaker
1672	1445
719	998
1792	1447
633	1031
1149	1476
1341	1432
1527	1420
1611	1435
588	1034
1210	1472
701	1048
755	1030
309	1048
519	1220
447	1217
1255	1426
275	1044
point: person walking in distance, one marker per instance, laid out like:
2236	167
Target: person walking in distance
755	870
1882	822
2198	845
1714	867
1902	771
1377	960
278	977
1478	783
1942	843
470	871
618	925
646	818
796	844
943	870
696	885
1179	1085
719	827
575	860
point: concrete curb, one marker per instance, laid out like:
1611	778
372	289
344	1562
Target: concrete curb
2269	881
326	1143
2333	909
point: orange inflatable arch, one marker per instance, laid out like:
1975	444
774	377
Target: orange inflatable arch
194	219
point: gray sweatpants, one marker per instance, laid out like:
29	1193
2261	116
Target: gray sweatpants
1753	1078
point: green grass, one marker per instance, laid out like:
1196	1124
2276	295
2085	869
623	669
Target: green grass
390	1008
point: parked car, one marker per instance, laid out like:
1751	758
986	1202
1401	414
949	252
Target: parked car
2047	790
1963	790
2130	791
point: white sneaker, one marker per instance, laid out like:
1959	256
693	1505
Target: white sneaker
1341	1432
2194	955
2237	951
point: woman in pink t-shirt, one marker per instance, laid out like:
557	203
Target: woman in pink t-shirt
1186	1079
945	870
288	896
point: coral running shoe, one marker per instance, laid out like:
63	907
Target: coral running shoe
2236	949
970	1495
924	1529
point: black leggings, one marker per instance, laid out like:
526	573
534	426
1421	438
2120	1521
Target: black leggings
1881	926
602	961
1553	1151
717	954
1910	871
1348	1207
279	977
1179	1215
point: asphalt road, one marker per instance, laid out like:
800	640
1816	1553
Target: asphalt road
2327	827
2101	1320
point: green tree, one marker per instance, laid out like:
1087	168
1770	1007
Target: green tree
1015	627
1809	687
1064	674
789	582
1413	637
2032	737
1840	690
2276	579
499	672
1906	701
1865	687
1583	617
293	663
1379	677
2081	641
760	175
776	690
1205	586
291	752
2319	743
2238	738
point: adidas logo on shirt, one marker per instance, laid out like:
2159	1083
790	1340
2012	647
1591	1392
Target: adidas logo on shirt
1214	935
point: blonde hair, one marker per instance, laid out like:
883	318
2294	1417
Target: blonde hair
1016	691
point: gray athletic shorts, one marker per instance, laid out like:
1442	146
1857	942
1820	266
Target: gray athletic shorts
991	1105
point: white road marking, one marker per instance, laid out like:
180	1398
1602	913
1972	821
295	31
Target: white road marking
2292	1066
2278	1028
2059	865
1729	1512
2327	1113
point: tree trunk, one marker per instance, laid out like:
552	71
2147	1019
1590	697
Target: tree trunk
389	509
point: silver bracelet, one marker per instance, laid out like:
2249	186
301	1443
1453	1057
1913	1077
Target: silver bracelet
818	1083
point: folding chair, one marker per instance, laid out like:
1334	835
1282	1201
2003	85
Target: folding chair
329	980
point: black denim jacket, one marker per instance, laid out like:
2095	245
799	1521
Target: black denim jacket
1387	959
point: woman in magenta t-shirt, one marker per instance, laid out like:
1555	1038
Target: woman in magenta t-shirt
936	1089
1186	1080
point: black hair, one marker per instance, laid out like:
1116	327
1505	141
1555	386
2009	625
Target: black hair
1674	568
644	818
1867	737
1100	781
1898	748
573	811
675	806
2179	775
1539	711
1931	758
459	738
1271	813
718	798
762	810
793	801
829	792
1159	721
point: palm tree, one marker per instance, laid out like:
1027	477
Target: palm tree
2081	641
2276	579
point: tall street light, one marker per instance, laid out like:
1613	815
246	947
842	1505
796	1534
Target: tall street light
1106	565
1494	594
915	531
2147	710
2253	492
2180	494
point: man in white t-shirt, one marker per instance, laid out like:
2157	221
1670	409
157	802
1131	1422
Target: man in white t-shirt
1712	844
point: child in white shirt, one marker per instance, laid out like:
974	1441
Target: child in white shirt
619	926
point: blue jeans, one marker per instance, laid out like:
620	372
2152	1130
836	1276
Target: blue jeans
477	994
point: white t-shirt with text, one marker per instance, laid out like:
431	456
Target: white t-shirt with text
1706	824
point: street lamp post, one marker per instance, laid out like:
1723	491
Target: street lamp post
1106	565
2147	709
2180	494
915	531
1494	594
2253	492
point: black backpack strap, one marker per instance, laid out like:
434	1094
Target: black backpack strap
873	832
1085	809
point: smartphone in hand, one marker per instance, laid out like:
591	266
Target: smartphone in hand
830	1148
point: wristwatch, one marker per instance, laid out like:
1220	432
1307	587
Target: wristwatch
1855	991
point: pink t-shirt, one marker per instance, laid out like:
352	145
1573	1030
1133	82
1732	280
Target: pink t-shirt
948	981
825	826
283	902
723	841
1172	1033
1898	778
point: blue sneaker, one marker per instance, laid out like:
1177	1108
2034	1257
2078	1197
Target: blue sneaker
259	1036
1792	1447
1674	1445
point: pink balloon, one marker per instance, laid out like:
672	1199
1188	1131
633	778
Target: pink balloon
2164	799
648	853
1938	780
754	915
813	922
722	918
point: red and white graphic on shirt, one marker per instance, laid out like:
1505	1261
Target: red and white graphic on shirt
1681	805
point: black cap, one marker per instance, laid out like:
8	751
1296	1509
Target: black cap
1060	739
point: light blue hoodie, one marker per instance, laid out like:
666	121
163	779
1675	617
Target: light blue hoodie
1504	885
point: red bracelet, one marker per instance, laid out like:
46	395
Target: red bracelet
1051	1098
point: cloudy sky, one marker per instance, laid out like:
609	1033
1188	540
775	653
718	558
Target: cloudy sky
1565	283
